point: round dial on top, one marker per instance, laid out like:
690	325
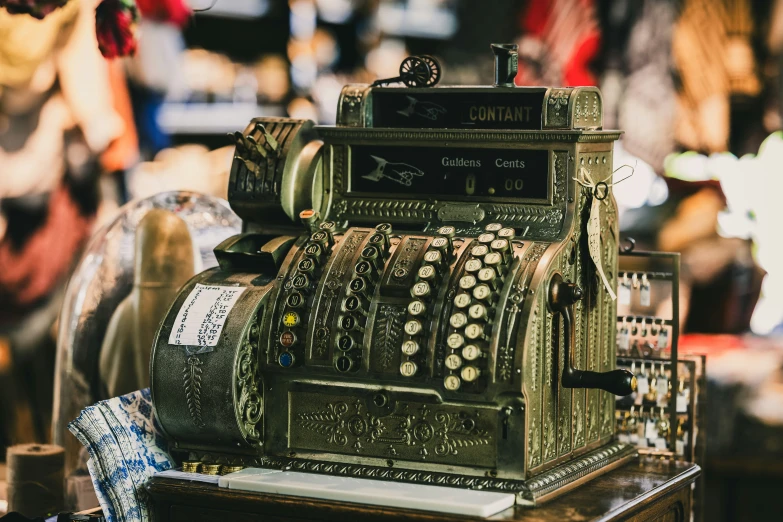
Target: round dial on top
453	361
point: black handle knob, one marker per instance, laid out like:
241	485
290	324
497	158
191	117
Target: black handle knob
618	382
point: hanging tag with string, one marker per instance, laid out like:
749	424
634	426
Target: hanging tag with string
599	191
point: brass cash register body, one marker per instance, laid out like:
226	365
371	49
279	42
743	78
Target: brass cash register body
410	334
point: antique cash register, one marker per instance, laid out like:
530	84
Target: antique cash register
423	293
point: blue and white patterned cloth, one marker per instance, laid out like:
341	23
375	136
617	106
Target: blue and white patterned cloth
126	448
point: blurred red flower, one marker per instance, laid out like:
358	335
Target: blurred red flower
35	8
176	12
115	25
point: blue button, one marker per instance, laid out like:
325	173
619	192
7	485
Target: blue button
286	359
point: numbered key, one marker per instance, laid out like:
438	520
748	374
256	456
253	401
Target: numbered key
479	251
482	292
471	352
470	373
453	361
467	282
473	265
458	320
452	382
408	369
427	273
478	312
474	331
417	307
413	327
462	300
493	227
410	347
421	289
455	341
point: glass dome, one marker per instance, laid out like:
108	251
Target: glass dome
102	285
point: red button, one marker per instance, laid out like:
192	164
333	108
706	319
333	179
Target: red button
287	339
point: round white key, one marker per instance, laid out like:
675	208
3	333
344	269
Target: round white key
473	331
421	289
439	242
413	327
493	258
507	233
486	238
432	256
473	265
479	250
455	341
482	292
458	320
453	361
447	230
427	272
486	274
493	227
470	373
499	244
462	300
410	347
408	368
478	311
467	282
471	352
416	307
452	382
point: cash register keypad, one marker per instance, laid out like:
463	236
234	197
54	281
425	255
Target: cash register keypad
461	294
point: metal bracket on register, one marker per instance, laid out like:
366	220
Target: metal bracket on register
562	296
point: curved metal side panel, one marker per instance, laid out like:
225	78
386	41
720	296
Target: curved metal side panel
193	392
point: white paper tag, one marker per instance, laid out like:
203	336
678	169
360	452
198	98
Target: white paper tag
644	295
660	443
624	294
594	243
651	429
642	385
662	386
641	443
623	437
634	438
682	403
663	338
201	317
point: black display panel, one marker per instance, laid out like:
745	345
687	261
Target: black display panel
446	173
457	109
